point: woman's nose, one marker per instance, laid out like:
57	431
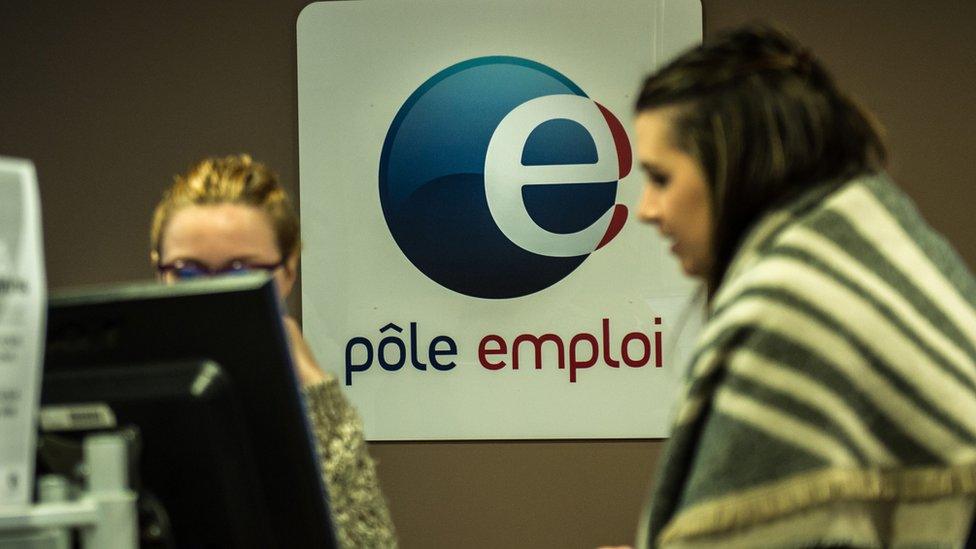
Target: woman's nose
648	210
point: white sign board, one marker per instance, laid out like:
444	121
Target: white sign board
22	314
472	268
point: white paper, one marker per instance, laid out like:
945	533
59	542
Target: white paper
22	317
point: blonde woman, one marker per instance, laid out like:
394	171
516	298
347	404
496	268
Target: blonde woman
230	215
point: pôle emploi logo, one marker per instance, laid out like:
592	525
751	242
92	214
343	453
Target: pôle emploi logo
498	178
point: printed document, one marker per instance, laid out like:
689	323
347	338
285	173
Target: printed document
22	317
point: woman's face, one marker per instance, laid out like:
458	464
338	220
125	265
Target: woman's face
220	235
676	197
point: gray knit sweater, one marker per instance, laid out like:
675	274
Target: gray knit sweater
359	510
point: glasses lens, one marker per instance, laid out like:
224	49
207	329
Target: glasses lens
182	269
237	271
240	267
235	268
188	272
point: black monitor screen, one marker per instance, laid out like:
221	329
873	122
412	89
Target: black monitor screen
202	372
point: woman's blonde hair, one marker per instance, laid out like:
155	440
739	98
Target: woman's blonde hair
234	179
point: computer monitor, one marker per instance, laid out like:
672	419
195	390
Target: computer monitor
203	371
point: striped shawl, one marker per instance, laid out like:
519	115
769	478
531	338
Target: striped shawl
831	399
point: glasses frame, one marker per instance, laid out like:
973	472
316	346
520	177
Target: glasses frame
236	266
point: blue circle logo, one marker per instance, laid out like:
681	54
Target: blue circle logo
498	177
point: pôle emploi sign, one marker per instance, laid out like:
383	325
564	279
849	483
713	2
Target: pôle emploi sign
472	268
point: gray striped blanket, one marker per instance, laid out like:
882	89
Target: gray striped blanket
831	399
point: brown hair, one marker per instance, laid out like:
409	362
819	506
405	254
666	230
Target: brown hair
235	179
765	121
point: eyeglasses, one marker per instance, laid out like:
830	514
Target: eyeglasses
186	269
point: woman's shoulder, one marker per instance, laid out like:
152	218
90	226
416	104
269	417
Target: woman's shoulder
325	399
860	258
863	227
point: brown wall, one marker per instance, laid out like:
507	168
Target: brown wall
111	98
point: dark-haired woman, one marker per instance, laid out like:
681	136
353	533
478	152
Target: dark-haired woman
831	399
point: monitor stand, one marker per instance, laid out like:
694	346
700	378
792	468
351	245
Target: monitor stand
104	514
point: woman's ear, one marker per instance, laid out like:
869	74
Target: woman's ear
288	275
154	263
